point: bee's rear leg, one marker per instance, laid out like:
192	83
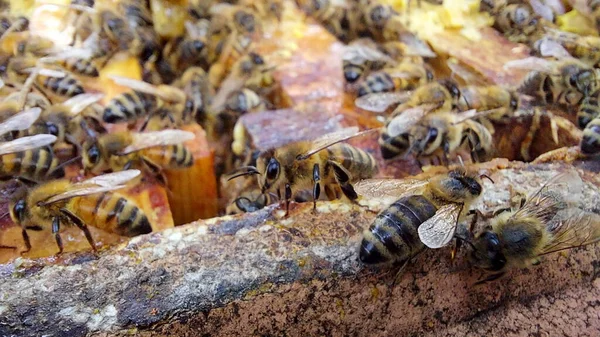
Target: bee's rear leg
343	179
316	186
79	223
55	231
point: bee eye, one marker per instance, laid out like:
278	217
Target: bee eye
432	135
198	45
19	209
93	154
272	169
513	103
52	129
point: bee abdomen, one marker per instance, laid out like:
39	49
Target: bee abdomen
392	147
590	142
393	234
588	110
130	219
173	156
128	106
376	82
81	66
358	162
66	86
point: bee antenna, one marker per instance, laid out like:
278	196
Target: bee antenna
460	160
487	177
245	171
465	240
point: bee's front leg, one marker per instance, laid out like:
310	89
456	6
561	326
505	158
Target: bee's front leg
316	186
288	196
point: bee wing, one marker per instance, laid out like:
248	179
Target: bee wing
467	75
26	143
157	138
100	184
378	188
45	72
168	93
78	103
379	102
531	63
550	48
572	228
21	121
402	123
231	83
364	51
112	179
470	114
417	45
405	74
438	230
332	138
542	9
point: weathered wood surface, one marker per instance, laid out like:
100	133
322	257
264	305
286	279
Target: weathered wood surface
264	275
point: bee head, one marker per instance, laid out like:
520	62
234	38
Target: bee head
487	253
425	138
270	170
91	154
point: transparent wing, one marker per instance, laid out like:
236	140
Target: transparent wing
437	231
26	143
381	188
531	63
466	74
572	228
112	179
542	10
157	138
560	192
361	50
78	103
402	123
165	92
405	74
417	45
470	114
232	82
332	138
379	102
21	121
550	48
100	184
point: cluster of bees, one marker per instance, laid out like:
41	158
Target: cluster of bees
435	118
207	74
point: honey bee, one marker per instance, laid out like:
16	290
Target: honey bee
360	56
32	46
251	71
334	15
405	75
588	109
91	202
79	66
426	213
444	94
187	51
546	221
583	48
240	19
155	151
304	164
556	81
590	141
57	82
195	84
64	120
380	19
143	101
515	19
265	9
30	159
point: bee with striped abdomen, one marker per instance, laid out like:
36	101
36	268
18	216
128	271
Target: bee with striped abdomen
92	202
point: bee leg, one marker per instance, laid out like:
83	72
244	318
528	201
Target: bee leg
316	186
446	148
330	193
55	231
71	140
490	278
26	240
156	170
343	178
288	196
79	223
